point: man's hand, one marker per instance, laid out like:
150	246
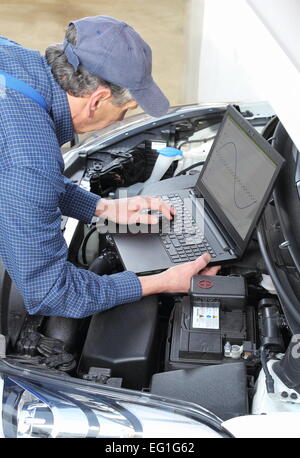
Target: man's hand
130	210
177	279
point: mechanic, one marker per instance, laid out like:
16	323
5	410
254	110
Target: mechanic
102	69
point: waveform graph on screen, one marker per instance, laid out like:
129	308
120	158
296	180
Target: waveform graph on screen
228	156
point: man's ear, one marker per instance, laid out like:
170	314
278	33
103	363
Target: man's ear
101	94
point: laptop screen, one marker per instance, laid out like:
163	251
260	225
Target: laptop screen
238	172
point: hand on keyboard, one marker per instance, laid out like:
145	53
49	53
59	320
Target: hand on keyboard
134	210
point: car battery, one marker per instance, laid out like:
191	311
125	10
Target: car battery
230	290
201	324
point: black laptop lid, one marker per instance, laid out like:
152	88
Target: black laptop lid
238	176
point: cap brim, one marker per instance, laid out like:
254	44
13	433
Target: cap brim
151	100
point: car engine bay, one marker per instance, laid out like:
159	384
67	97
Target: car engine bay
206	347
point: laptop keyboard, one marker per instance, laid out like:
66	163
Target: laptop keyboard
183	240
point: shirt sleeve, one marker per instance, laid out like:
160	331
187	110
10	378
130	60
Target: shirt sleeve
77	202
35	253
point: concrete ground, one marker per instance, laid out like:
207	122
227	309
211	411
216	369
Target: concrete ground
38	23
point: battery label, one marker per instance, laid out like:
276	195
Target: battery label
206	317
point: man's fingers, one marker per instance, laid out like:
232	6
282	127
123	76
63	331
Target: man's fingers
167	211
200	263
143	218
155	203
211	270
141	204
173	211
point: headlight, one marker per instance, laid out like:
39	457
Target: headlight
38	405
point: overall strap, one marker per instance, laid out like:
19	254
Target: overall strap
20	86
5	41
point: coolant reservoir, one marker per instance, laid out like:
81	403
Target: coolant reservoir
165	158
196	149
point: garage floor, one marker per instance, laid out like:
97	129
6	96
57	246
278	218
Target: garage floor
37	23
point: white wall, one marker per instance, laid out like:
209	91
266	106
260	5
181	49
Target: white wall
282	19
222	75
249	51
193	38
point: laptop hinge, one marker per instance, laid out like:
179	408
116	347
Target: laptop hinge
216	228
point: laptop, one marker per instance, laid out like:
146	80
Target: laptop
220	212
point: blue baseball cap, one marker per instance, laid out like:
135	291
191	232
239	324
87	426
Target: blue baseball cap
112	50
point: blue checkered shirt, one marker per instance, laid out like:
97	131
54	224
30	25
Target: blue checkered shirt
34	195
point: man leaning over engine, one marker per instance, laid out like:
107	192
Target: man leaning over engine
102	69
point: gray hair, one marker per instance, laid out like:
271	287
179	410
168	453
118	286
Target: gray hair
81	82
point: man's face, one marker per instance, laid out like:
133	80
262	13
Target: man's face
107	113
104	114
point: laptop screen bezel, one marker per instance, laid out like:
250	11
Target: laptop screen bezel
239	243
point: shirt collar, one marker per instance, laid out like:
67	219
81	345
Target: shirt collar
60	109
